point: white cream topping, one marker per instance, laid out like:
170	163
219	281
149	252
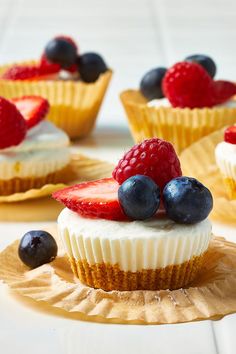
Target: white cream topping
225	154
164	102
135	245
43	151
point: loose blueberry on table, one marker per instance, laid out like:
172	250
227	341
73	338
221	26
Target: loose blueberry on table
36	248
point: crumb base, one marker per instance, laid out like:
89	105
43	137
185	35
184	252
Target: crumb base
110	277
19	185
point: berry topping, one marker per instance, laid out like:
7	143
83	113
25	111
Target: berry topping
96	199
69	40
33	109
47	66
21	72
12	125
61	51
230	135
154	158
223	90
36	248
188	85
186	200
34	72
206	62
139	197
91	65
151	83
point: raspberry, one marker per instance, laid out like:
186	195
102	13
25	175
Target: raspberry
188	85
12	125
154	158
96	199
230	135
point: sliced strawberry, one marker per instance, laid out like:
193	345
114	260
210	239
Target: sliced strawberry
31	72
96	199
12	125
33	108
223	90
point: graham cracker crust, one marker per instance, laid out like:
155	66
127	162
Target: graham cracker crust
110	277
230	185
18	185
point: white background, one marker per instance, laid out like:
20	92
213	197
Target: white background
133	36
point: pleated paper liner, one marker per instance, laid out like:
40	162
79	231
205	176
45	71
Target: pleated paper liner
37	204
199	161
181	127
211	296
74	105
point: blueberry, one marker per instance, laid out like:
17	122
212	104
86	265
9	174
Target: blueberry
186	200
62	52
205	61
139	197
150	85
36	248
91	65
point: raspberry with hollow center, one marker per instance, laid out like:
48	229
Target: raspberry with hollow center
154	158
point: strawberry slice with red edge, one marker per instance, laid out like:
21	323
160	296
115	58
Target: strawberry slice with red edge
96	199
33	109
223	90
43	71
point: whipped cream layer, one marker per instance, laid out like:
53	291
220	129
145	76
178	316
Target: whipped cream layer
135	245
164	102
43	151
225	154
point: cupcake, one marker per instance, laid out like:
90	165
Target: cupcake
118	235
225	154
73	84
33	152
181	104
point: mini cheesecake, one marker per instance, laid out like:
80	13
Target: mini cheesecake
130	255
39	157
140	230
181	106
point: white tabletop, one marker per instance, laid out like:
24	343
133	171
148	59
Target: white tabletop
133	36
